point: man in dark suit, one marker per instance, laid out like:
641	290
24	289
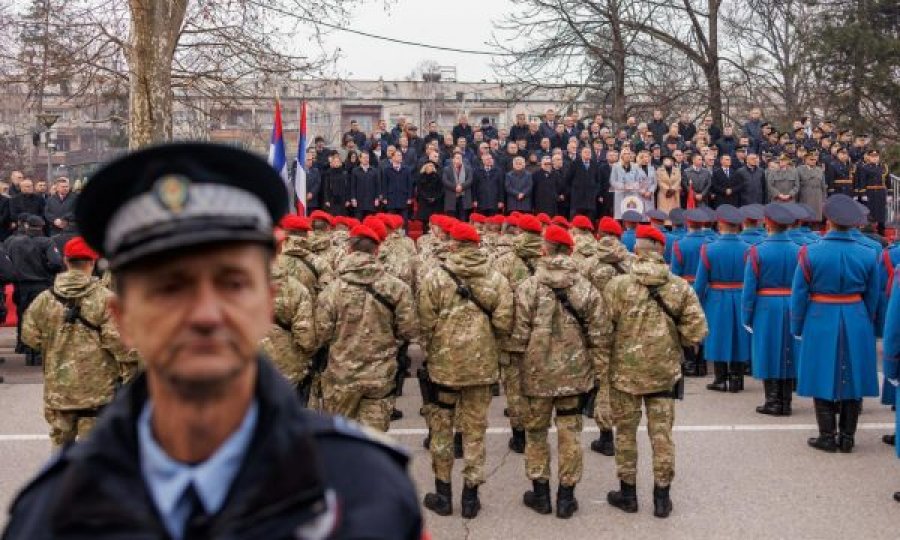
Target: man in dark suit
605	206
584	178
726	184
488	187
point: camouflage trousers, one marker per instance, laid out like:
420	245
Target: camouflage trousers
469	405
568	433
626	412
602	408
369	405
67	426
510	372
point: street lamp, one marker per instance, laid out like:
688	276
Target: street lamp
48	120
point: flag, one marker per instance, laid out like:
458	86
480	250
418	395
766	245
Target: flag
691	202
277	156
300	169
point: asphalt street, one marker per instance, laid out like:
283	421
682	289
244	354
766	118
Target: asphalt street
738	474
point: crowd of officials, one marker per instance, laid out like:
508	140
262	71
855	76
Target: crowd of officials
567	165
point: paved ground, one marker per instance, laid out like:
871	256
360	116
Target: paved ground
739	474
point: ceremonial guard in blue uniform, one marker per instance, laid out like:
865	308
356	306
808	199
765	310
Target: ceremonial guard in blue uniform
766	310
890	363
806	222
685	259
658	220
892	353
720	278
834	300
710	229
795	232
753	232
676	218
630	220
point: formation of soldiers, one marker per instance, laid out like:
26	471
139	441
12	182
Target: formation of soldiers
573	318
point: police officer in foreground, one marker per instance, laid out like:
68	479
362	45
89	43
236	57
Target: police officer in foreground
210	442
653	313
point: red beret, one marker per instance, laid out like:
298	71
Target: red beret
436	219
293	222
77	249
463	232
561	221
529	223
362	231
512	221
650	233
543	218
557	235
515	213
475	217
352	222
323	216
377	226
582	222
397	221
339	220
496	219
610	226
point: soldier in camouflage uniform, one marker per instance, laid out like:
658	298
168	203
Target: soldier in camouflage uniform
465	308
84	359
516	266
608	259
311	267
291	341
560	323
395	253
645	362
491	233
361	316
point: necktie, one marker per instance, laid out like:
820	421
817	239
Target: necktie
197	526
726	172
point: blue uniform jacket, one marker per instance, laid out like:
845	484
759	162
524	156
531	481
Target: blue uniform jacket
753	235
720	278
628	238
837	353
892	343
766	302
686	255
670	240
889	258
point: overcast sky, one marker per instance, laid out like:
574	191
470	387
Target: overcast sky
464	24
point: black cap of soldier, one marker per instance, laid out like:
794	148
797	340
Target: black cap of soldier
752	212
779	213
843	211
656	214
676	216
175	196
729	214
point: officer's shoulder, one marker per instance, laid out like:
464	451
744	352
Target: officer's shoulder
337	431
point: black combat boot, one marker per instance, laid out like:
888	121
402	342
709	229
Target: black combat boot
897	496
426	442
538	499
440	502
517	441
702	368
662	504
470	503
566	503
736	377
506	412
625	499
457	445
772	405
495	389
889	439
604	444
396	414
720	382
786	395
689	365
825	412
848	420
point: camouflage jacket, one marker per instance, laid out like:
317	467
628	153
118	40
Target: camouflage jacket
646	346
583	239
602	261
397	260
489	242
436	255
83	358
312	270
559	354
362	332
291	340
517	265
425	244
462	341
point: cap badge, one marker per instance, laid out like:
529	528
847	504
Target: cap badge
172	192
